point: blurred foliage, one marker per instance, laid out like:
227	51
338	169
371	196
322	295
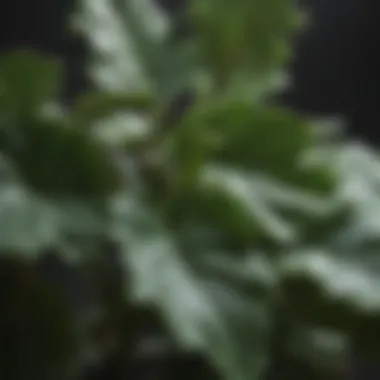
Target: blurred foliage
235	210
39	348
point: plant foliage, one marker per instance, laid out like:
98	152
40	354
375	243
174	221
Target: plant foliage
236	208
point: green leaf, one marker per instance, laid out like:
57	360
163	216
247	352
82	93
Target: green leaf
325	289
28	81
357	169
61	161
236	133
125	51
93	107
26	224
264	199
29	224
229	325
131	51
243	35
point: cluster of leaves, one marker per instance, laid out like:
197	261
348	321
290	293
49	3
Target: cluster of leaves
239	207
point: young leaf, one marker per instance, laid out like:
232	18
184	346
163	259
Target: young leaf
28	81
